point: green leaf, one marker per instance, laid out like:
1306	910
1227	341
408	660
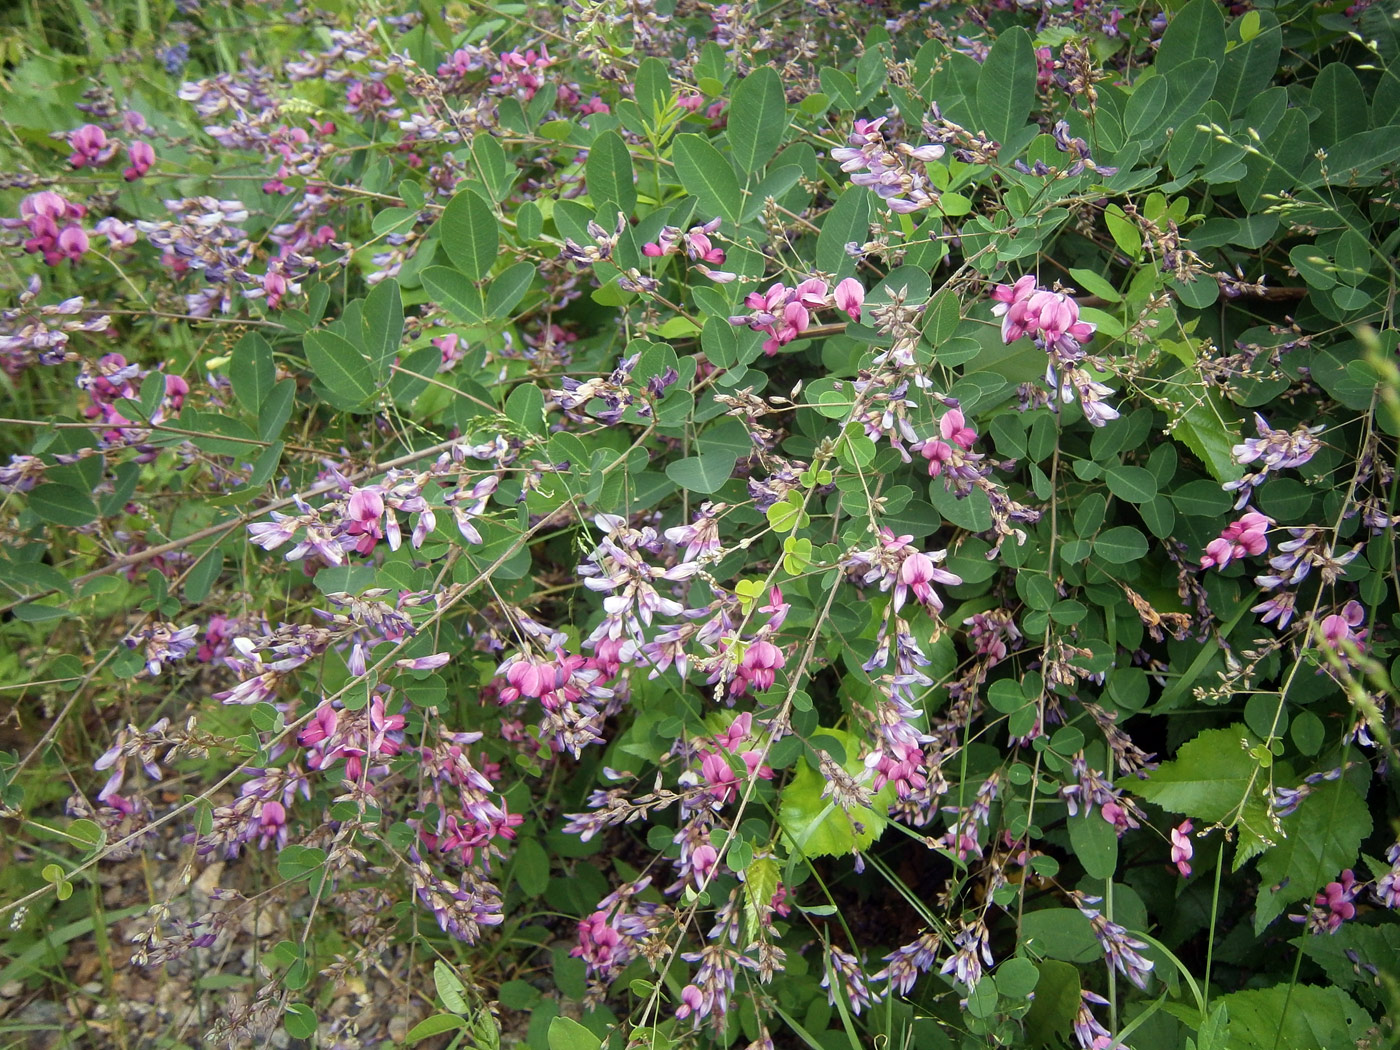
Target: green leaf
707	173
1017	978
1096	285
453	291
652	89
1121	545
776	183
449	988
1095	842
1321	838
815	826
382	320
492	165
1293	1015
469	233
848	220
300	1021
1144	106
567	1034
1350	955
1337	93
1209	428
1057	1002
1006	85
252	372
62	504
1249	67
608	173
343	369
1280	160
1124	231
1060	933
1210	780
705	473
757	119
531	867
525	408
434	1025
508	289
1133	484
276	410
296	863
413	374
1188	89
202	575
1196	31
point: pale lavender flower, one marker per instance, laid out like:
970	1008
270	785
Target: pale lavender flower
974	953
848	968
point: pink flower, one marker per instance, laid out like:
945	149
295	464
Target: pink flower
72	242
272	824
90	146
321	726
365	510
1341	627
938	454
142	156
758	667
850	297
703	861
1182	850
597	940
952	427
1240	538
692	1001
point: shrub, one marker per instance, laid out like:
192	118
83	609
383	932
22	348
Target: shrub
665	524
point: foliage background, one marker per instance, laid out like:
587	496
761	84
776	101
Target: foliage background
470	309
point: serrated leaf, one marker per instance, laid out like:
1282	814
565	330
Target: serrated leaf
707	173
469	233
1293	1015
815	826
1320	839
1210	429
1213	778
757	118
